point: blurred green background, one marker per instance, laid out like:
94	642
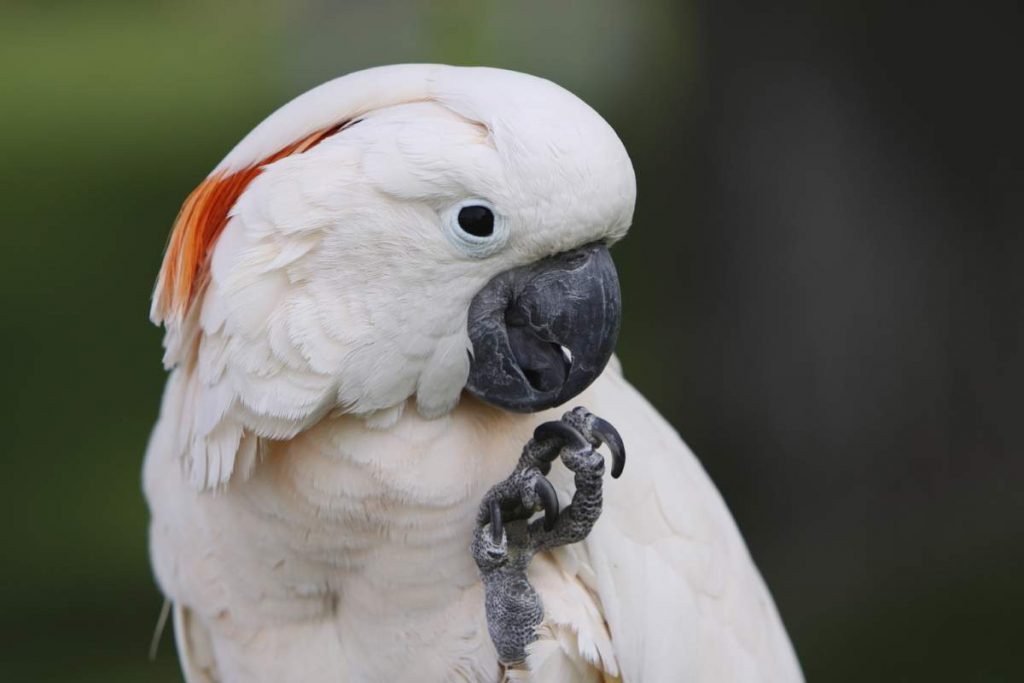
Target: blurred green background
822	288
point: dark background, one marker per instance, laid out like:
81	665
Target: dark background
822	288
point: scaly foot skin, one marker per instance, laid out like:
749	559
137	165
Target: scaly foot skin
505	540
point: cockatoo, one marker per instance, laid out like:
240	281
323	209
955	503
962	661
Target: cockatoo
378	308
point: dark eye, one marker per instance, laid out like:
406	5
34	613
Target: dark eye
477	220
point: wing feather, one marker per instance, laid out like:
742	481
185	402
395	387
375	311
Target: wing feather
663	589
681	596
195	648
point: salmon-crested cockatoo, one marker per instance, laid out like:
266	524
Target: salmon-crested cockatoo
382	310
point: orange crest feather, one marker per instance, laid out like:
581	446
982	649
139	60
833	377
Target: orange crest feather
200	222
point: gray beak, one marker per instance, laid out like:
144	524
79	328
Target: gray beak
543	332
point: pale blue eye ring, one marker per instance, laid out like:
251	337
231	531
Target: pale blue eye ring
476	228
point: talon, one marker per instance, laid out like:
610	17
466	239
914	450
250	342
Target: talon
610	437
559	430
549	501
496	527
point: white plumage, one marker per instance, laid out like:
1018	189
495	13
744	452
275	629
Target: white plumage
316	468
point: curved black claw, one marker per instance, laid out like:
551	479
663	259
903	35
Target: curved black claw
549	500
496	527
610	437
568	435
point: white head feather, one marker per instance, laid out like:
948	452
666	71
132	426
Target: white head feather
340	281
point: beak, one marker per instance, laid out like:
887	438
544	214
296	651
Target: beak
543	332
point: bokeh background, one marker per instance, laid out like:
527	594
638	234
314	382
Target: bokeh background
822	288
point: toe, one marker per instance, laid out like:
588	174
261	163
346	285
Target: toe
561	435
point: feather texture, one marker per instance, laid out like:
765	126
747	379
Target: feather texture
347	548
201	220
315	471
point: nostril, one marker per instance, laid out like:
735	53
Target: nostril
574	259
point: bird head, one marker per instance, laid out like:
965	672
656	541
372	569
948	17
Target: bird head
406	232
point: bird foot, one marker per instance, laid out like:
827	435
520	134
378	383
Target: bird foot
505	540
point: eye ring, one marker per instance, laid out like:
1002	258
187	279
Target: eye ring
476	228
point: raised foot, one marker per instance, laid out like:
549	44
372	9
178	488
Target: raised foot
505	540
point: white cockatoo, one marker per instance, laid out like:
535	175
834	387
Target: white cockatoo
370	305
